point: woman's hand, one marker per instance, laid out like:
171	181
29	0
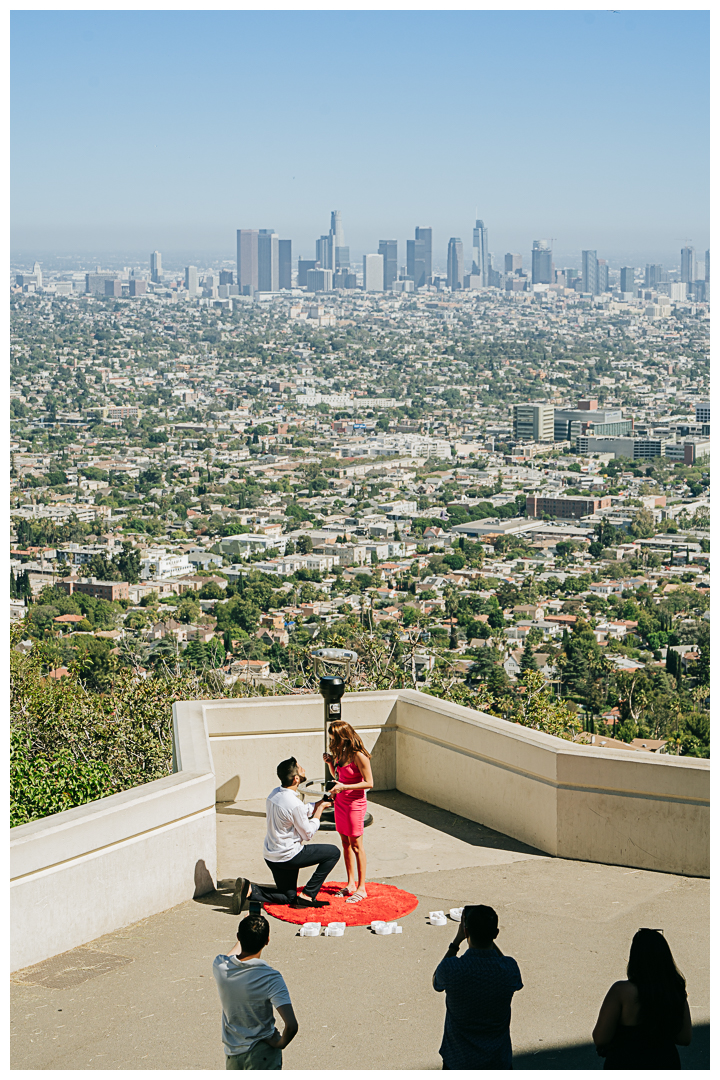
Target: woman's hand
328	759
337	788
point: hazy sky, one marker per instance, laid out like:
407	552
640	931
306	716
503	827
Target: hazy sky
171	129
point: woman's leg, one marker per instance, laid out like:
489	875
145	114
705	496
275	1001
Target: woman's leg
357	848
347	855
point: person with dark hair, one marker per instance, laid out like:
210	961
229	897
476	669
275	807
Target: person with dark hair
349	763
479	986
644	1019
290	825
249	990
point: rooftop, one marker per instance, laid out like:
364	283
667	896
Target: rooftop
143	997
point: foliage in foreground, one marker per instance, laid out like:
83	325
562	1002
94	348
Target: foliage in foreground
70	744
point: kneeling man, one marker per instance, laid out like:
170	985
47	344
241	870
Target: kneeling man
290	824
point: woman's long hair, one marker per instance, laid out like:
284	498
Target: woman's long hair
344	741
661	987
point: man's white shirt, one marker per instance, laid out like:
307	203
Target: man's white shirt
289	825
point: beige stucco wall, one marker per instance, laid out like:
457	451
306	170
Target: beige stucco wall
631	810
478	766
90	870
250	737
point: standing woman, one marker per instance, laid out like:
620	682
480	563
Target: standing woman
349	763
644	1019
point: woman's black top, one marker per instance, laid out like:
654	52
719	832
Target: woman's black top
639	1048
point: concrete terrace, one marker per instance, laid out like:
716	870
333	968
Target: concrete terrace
143	997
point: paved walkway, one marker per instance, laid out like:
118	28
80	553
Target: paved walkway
144	997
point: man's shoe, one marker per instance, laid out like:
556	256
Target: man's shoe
242	888
301	902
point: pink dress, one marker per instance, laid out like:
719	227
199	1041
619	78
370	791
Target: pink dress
350	806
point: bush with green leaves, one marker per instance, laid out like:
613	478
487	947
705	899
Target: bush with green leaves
72	744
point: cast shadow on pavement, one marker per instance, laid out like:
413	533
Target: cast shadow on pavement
583	1056
470	832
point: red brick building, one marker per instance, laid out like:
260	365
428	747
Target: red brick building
103	590
568	506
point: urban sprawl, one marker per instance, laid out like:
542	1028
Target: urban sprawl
477	474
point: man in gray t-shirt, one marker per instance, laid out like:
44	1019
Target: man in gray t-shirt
249	990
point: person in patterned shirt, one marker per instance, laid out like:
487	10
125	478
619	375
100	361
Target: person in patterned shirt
478	987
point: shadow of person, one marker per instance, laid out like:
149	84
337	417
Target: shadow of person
203	879
220	896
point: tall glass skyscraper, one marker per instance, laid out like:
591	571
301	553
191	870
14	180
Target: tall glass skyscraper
419	257
341	253
481	252
155	266
590	272
388	250
542	267
687	264
268	261
247	261
336	228
325	252
455	263
285	264
424	234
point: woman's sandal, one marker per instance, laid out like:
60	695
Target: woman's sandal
355	898
345	892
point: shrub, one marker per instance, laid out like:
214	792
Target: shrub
71	745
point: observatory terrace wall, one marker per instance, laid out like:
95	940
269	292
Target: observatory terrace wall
91	870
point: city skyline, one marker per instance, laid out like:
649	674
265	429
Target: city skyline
178	176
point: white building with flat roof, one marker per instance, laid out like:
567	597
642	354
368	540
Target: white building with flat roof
373	273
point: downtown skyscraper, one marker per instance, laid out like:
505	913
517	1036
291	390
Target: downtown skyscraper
590	282
388	250
481	253
155	266
455	263
419	257
542	264
264	261
268	260
341	252
247	261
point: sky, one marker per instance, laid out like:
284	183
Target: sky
133	130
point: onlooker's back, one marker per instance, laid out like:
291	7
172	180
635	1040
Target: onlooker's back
479	987
249	990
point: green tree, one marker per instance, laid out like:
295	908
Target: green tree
71	745
188	609
534	706
527	660
643	525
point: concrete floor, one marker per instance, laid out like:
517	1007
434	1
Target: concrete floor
366	1002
